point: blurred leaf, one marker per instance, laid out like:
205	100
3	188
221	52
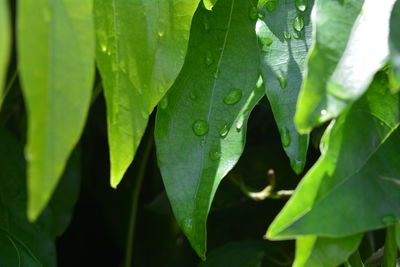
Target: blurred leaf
5	41
313	251
390	254
141	46
237	254
398	235
355	260
394	43
56	62
357	177
283	62
201	123
340	65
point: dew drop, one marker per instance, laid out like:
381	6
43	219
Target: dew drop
287	35
224	131
261	15
297	35
164	102
253	13
239	123
389	219
209	59
285	136
271	5
200	127
297	166
233	96
298	23
217	73
324	112
161	33
215	155
282	82
103	48
301	5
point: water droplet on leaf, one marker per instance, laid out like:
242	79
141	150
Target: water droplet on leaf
217	73
297	35
297	166
200	127
271	5
287	35
215	155
301	5
298	23
261	15
224	130
389	219
282	82
239	123
233	96
285	136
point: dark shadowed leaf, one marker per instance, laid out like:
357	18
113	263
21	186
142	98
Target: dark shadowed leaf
284	36
201	123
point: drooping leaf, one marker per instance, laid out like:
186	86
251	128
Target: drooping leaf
340	65
237	254
359	156
141	46
394	44
201	124
209	4
56	62
285	35
313	251
31	244
5	40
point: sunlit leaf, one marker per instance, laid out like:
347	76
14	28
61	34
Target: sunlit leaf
141	46
357	177
350	45
394	44
201	123
5	39
208	4
285	35
56	62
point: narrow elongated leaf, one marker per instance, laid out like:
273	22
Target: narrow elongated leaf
56	61
285	35
141	46
313	251
201	125
341	66
394	44
357	177
5	40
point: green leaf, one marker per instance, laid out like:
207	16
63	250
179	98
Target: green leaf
141	46
340	65
209	4
31	242
398	235
313	251
201	124
56	62
394	44
390	255
359	155
237	254
5	42
283	62
355	260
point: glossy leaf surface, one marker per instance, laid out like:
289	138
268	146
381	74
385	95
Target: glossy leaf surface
284	36
5	39
340	66
141	46
56	62
201	124
313	251
350	170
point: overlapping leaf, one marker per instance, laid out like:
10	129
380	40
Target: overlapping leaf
350	45
56	62
357	177
141	46
21	242
285	37
394	44
201	124
313	251
5	39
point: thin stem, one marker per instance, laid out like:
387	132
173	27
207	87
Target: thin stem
390	251
135	197
267	192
